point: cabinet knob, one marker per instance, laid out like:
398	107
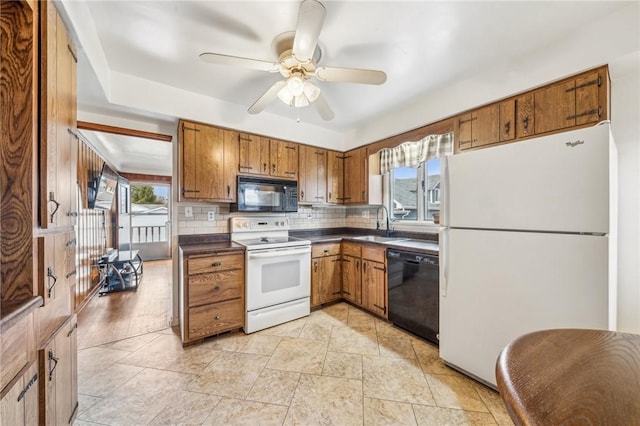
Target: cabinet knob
217	317
217	287
216	264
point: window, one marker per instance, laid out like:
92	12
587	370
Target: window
414	192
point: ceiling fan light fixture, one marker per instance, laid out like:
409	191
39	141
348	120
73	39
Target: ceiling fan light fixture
295	85
311	91
300	101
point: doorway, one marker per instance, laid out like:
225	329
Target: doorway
151	220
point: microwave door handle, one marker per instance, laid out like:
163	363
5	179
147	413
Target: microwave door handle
279	253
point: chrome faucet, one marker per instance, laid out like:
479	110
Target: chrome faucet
388	231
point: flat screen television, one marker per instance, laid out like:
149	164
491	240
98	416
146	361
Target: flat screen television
102	191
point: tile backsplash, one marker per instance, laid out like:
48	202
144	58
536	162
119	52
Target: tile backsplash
307	217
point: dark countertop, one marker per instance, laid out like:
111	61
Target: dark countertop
11	311
411	244
205	248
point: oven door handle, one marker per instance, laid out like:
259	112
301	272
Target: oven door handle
279	253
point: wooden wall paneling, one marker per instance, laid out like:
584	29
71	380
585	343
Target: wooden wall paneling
18	38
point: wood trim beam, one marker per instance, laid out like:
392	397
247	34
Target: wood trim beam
137	177
84	125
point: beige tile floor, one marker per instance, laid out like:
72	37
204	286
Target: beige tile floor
339	366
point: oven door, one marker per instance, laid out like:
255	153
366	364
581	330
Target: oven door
277	275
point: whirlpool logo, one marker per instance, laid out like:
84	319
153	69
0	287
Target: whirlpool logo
573	144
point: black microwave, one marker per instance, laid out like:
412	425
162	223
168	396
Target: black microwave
266	195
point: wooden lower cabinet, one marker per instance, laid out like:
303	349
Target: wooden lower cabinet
351	279
19	404
212	292
57	376
374	279
326	273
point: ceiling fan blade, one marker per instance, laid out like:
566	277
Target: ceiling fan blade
350	75
256	64
310	19
323	108
267	97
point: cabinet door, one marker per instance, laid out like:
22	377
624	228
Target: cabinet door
464	138
231	159
588	103
312	175
507	120
19	406
374	294
58	119
555	107
351	279
56	254
330	278
254	154
58	376
485	126
356	167
284	159
525	123
335	177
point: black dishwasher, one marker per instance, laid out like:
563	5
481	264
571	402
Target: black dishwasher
413	292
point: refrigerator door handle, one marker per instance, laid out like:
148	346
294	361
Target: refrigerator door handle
444	264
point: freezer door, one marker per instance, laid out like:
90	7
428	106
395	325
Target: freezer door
554	183
496	286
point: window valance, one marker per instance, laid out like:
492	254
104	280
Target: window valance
412	154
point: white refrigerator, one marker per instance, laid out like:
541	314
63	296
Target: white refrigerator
527	243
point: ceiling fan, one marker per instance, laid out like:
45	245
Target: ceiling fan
298	54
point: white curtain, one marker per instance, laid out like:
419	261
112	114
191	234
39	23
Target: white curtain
412	154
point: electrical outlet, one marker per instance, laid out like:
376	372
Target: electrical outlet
188	212
211	216
365	214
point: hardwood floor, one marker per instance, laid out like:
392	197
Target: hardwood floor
117	316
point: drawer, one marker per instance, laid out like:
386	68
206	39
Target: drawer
213	263
215	287
372	252
351	249
322	250
215	318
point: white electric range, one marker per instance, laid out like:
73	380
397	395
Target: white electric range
278	271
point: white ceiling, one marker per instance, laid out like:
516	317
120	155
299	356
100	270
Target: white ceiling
421	45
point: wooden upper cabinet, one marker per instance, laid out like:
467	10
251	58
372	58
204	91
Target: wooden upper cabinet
284	159
208	161
555	107
355	165
312	176
254	155
58	121
525	116
479	128
507	127
590	96
335	177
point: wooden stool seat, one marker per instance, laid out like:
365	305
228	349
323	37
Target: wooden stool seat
571	377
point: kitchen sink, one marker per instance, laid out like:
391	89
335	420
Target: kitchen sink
377	238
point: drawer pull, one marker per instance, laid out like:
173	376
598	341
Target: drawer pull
217	317
216	264
50	274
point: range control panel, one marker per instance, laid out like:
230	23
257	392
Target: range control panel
253	224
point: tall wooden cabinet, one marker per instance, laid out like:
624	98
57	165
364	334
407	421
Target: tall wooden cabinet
58	213
312	179
208	162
